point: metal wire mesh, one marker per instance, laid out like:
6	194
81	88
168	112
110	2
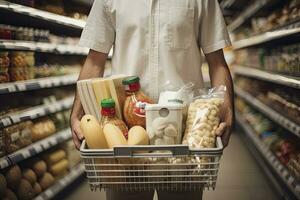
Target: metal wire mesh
153	171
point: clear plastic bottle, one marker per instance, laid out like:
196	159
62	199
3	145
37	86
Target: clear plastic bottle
134	108
108	113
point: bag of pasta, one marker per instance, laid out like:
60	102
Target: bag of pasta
203	119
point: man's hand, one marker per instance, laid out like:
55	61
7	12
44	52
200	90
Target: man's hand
93	67
76	132
225	128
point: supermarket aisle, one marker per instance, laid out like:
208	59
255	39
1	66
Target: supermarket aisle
240	178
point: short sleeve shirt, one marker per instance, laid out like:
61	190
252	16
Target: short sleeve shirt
158	40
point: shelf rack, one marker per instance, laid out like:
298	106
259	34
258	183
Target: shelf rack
272	114
35	148
247	13
62	183
43	47
268	76
42	15
35	112
292	183
265	37
40	83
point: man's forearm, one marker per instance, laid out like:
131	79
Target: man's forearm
220	75
93	68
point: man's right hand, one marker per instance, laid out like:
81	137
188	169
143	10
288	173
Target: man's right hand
76	131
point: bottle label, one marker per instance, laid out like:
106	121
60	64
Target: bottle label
108	111
132	87
139	108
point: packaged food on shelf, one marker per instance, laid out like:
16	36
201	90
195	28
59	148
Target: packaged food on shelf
135	103
42	128
13	177
59	168
25	190
46	180
17	136
55	156
203	119
4	66
93	132
164	123
108	113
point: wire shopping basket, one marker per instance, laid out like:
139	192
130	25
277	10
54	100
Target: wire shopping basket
149	167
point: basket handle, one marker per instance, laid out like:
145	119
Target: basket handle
126	151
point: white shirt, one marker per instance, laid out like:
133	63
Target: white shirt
158	40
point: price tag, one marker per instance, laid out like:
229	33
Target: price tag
21	86
4	163
6	122
52	108
49	193
12	89
15	118
26	154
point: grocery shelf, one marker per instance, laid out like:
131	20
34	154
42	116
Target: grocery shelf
43	47
40	83
62	183
35	112
268	76
247	13
265	37
35	148
273	163
272	114
42	15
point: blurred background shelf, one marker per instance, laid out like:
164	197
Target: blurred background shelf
42	15
43	47
35	148
268	76
271	161
265	37
272	114
35	112
62	183
39	83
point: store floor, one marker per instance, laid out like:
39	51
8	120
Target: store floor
240	178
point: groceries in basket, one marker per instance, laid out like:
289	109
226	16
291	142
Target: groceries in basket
117	103
203	119
135	103
164	124
108	113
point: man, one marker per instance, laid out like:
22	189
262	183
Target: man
160	41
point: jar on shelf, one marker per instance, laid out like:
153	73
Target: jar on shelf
108	113
4	65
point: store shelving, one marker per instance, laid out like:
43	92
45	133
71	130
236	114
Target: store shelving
265	37
247	13
43	47
42	15
272	114
35	112
273	163
62	183
268	76
40	83
35	148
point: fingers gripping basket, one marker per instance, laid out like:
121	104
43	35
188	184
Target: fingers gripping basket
167	168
